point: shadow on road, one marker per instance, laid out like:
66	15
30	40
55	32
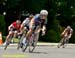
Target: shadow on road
40	52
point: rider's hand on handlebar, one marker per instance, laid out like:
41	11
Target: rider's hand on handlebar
43	33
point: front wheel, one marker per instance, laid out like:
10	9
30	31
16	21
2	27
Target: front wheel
32	45
33	42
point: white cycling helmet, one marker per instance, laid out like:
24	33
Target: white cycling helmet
68	27
44	12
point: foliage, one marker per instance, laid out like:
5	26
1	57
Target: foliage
2	24
61	14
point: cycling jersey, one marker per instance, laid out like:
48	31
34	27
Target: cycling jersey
26	23
39	21
67	32
15	26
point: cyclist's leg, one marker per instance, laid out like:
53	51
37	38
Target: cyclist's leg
66	42
37	31
23	38
15	33
36	35
61	43
27	35
8	36
30	31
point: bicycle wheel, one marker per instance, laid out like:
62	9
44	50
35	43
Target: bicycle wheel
33	43
32	46
65	42
24	46
19	45
61	43
20	41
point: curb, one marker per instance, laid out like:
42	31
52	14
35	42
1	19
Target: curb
43	44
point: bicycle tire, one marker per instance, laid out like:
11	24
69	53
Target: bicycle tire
20	41
25	46
32	47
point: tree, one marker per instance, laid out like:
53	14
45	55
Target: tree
2	24
61	14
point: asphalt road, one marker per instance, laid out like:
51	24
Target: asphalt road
39	52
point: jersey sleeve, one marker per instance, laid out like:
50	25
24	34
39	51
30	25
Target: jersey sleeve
36	16
13	24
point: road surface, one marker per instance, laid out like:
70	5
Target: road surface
39	52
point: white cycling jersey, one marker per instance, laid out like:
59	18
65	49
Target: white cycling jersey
26	22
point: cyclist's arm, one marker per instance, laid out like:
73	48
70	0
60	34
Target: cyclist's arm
44	25
63	32
10	27
70	34
24	23
22	26
44	28
31	23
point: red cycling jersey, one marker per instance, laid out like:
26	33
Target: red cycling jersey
15	26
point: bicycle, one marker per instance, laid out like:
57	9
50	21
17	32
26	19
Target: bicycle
24	31
9	40
31	42
63	41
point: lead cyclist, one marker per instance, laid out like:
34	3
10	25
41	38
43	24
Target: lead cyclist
38	23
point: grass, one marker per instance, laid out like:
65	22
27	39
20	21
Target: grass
16	40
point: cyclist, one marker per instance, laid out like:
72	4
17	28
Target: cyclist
66	34
14	29
25	24
38	21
